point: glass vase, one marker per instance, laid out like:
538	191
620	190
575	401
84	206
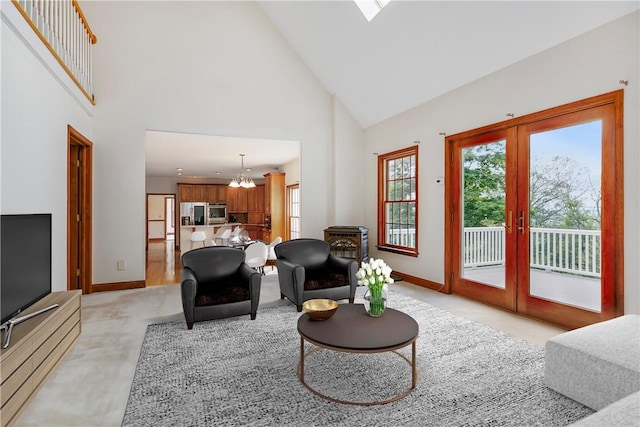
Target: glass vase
375	301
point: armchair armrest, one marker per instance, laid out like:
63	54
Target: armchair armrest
252	277
291	277
188	289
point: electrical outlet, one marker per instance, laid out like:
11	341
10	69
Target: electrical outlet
122	266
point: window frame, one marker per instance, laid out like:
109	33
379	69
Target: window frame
290	208
383	160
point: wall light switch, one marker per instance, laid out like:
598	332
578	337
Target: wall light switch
122	266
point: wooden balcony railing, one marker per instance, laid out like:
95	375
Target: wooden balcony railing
62	27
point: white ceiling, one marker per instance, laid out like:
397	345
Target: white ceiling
202	156
414	51
410	53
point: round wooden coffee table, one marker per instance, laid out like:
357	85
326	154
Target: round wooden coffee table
352	330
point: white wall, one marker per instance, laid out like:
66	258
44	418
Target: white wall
292	172
36	109
349	159
585	66
161	185
217	68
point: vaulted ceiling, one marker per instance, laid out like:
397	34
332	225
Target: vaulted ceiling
414	51
410	53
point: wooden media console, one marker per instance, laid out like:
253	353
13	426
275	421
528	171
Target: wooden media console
37	346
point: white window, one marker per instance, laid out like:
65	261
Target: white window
370	8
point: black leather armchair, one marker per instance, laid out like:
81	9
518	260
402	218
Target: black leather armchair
308	270
217	283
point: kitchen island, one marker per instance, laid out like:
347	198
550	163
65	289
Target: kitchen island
210	230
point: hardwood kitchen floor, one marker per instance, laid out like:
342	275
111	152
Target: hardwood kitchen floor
163	264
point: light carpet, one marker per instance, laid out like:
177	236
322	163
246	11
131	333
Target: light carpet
238	372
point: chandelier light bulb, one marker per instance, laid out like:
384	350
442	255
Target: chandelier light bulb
242	180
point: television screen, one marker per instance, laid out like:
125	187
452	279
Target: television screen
25	261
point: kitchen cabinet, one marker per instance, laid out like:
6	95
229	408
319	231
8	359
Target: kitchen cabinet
199	193
255	218
274	188
241	199
192	193
217	193
236	200
185	193
255	199
254	231
265	235
231	199
222	193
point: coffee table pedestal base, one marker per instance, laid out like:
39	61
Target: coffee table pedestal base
412	363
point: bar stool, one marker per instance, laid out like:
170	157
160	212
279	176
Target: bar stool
197	236
224	237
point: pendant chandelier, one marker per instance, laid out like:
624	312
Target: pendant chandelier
242	180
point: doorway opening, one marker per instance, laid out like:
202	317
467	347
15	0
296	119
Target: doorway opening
163	265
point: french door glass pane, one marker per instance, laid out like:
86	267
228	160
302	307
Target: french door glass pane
483	197
565	200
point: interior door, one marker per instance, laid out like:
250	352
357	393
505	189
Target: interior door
75	213
79	211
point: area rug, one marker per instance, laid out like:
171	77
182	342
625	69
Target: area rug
238	372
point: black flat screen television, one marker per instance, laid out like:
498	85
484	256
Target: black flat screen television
25	261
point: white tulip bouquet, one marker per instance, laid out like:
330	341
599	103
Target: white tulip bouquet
376	275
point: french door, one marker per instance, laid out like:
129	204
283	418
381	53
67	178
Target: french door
535	213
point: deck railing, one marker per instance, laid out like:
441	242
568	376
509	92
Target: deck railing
569	251
62	27
402	236
550	249
483	246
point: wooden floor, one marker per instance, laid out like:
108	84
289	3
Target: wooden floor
163	263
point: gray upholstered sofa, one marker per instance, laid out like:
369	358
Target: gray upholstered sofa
599	366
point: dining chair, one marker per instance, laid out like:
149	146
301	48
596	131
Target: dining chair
197	237
256	256
223	237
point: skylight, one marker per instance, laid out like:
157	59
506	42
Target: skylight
370	8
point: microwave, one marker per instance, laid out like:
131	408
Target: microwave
217	213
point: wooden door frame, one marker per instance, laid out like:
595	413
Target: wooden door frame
613	301
146	218
173	218
504	298
612	298
287	226
86	196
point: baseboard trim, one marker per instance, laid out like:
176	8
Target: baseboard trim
423	282
117	286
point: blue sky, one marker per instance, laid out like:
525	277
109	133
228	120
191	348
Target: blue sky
582	143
